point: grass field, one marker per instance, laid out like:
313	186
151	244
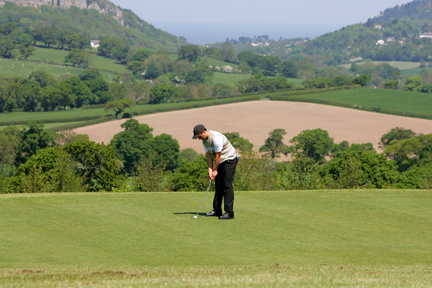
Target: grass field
357	238
398	100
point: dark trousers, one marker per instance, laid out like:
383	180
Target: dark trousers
224	187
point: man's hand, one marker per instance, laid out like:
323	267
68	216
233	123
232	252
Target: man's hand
213	175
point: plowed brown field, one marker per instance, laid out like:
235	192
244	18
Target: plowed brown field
254	120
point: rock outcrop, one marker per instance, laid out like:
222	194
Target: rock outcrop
102	6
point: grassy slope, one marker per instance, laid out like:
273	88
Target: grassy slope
12	67
315	238
420	103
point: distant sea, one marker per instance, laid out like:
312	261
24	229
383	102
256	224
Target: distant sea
208	33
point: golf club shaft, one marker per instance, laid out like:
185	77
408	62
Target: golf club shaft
204	198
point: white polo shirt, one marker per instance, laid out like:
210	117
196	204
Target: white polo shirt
217	142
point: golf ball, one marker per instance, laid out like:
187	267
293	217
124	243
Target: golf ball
195	217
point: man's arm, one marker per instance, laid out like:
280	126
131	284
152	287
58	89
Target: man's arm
212	168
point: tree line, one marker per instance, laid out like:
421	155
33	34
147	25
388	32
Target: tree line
35	160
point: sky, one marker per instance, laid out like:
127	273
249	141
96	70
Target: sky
203	21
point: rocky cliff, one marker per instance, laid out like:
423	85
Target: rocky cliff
102	6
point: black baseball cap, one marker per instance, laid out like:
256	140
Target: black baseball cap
198	129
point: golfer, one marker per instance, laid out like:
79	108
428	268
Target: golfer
222	160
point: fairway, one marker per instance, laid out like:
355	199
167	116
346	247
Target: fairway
320	231
141	229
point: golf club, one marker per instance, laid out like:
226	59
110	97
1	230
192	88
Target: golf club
196	216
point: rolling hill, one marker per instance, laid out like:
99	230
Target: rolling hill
93	18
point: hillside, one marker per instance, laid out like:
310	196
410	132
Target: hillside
401	33
94	19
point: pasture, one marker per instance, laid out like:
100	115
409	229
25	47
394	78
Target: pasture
396	100
363	238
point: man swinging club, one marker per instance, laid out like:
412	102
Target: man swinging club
222	160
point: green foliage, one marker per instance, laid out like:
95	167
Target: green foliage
190	176
150	174
132	144
241	144
362	79
199	74
413	83
252	173
8	144
191	53
274	145
32	138
87	22
396	134
77	57
118	106
187	155
406	151
167	151
49	170
362	169
313	144
96	164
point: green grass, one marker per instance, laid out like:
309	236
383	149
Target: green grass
96	61
409	102
360	238
51	61
402	65
228	78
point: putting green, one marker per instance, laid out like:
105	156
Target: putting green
340	227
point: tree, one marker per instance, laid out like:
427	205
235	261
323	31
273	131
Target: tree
96	164
398	134
82	92
274	145
391	84
228	53
132	144
8	145
32	138
367	169
118	106
245	68
160	93
150	174
200	74
269	65
288	69
240	143
362	79
314	144
49	170
413	83
190	176
167	151
191	53
77	57
45	34
43	78
49	97
136	67
152	71
140	55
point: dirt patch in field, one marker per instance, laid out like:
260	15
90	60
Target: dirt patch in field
254	120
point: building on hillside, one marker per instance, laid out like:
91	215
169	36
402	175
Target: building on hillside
260	44
94	43
378	26
380	42
426	35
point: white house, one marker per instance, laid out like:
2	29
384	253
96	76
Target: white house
94	43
